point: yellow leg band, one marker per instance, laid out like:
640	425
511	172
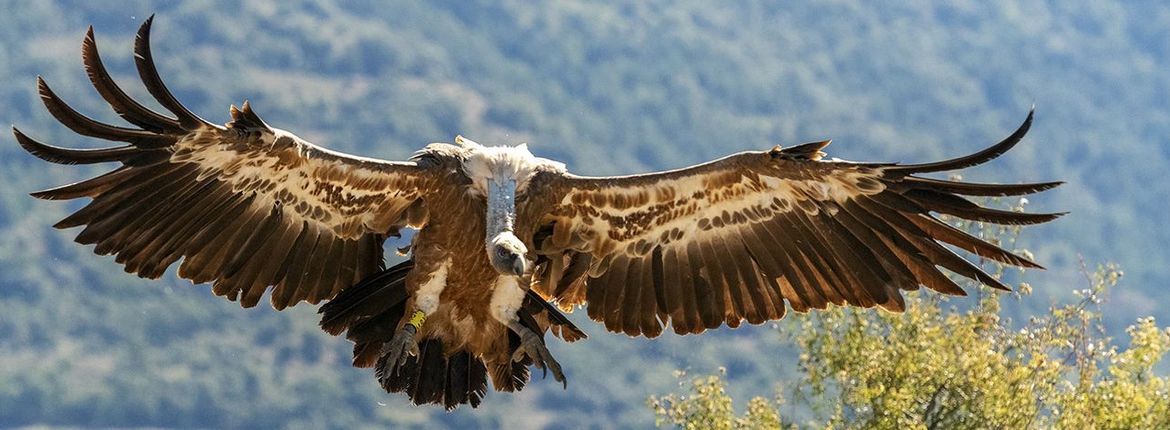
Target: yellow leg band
417	319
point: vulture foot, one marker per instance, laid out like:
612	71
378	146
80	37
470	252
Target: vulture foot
532	345
402	346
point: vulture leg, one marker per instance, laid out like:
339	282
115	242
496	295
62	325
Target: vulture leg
402	345
425	302
532	345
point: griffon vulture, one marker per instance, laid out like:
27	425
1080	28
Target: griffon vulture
507	240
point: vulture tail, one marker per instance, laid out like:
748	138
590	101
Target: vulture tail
369	313
435	377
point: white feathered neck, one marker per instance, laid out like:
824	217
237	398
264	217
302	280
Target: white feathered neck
502	164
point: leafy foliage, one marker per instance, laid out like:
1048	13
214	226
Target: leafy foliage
935	366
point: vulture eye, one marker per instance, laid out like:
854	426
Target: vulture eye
502	252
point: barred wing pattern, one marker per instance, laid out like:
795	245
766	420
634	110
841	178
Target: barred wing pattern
736	238
246	206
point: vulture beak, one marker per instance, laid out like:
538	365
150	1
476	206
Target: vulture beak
507	255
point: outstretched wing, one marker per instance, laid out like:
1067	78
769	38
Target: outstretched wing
734	239
246	206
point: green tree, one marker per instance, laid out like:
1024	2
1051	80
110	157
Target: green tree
940	366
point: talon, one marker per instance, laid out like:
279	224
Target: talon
533	346
401	347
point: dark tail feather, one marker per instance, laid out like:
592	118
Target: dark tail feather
970	160
372	296
369	313
510	376
154	83
432	377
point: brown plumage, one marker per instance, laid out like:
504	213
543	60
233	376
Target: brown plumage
506	241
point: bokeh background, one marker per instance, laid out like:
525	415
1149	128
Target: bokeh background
607	87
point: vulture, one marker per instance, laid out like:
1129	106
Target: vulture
507	242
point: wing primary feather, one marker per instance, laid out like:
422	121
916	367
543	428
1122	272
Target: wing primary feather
951	204
933	251
154	84
121	230
976	189
128	214
59	155
116	197
949	234
162	249
86	126
883	253
842	282
126	107
922	269
87	188
969	160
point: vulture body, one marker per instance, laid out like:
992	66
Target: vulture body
507	240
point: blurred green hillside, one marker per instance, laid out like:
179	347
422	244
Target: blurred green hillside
608	88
